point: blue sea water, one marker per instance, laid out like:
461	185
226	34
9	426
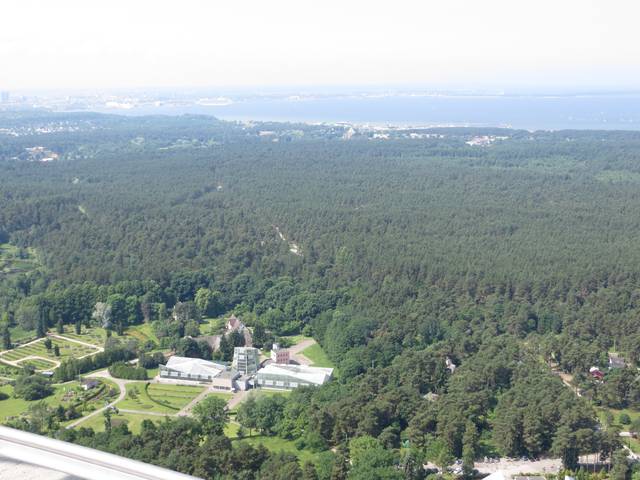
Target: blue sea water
620	112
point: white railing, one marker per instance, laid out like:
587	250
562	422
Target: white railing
76	460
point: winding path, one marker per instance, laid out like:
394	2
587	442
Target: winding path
123	392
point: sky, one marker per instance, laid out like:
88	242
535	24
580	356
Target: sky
102	44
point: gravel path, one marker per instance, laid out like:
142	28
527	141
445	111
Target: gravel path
123	391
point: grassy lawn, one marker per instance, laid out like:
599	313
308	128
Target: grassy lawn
290	340
213	325
18	333
224	396
133	421
262	392
275	444
632	443
633	414
143	333
38	364
158	397
93	335
63	395
317	356
67	349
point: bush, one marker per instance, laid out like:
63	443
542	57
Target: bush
32	387
128	372
146	360
624	419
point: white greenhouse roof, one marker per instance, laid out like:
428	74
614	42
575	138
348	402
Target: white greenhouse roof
195	366
316	375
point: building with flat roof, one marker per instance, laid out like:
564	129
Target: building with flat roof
288	377
279	354
198	370
246	360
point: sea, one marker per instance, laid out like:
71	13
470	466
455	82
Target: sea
530	112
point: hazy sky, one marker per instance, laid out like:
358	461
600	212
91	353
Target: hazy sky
470	43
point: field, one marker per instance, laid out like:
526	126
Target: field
19	334
158	398
63	395
143	333
290	340
133	421
212	326
274	444
94	335
38	364
318	358
38	349
261	392
633	415
15	261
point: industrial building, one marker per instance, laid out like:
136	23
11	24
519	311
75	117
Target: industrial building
217	375
287	377
246	360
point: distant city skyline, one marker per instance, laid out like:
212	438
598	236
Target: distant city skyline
71	44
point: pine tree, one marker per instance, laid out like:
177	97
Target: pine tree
40	327
107	420
340	468
60	327
469	448
620	465
309	471
6	337
411	467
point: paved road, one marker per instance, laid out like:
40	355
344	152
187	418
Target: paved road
123	391
186	410
296	351
237	398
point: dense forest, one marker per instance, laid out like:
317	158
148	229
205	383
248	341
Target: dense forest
396	254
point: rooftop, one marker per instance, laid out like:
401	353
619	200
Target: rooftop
315	375
195	366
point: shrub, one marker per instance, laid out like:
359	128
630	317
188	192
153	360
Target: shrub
128	372
32	387
624	419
